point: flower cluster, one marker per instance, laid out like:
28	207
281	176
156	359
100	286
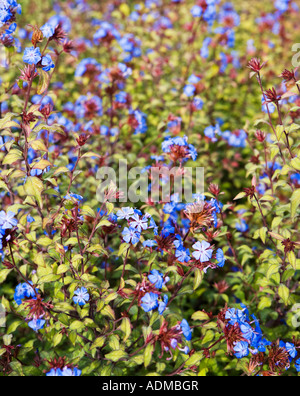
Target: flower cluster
8	26
244	336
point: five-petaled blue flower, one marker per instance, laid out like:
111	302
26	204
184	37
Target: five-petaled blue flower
149	302
32	55
220	258
81	296
36	324
156	278
162	305
125	213
7	221
203	252
291	350
47	30
186	330
241	349
130	235
47	63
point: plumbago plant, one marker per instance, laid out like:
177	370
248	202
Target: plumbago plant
207	287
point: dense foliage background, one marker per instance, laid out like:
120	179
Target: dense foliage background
210	288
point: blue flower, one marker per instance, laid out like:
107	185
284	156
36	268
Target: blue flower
81	296
295	178
196	11
291	350
7	221
212	131
105	29
47	30
68	372
65	372
236	139
125	213
267	106
297	365
183	255
282	5
149	302
72	196
189	90
140	125
156	278
85	65
32	55
54	373
198	103
174	343
139	224
186	330
130	235
235	316
205	47
242	226
260	343
121	97
241	349
149	243
162	305
36	324
220	258
23	290
182	142
202	253
247	331
20	293
30	219
5	15
47	63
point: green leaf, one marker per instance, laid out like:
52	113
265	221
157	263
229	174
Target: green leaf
284	293
115	356
62	269
34	187
296	163
77	325
194	360
104	223
240	196
99	342
295	202
44	241
292	259
4	274
38	145
265	302
273	269
57	339
60	170
199	315
13	156
48	278
42	164
263	234
43	82
198	278
126	328
148	354
7	123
